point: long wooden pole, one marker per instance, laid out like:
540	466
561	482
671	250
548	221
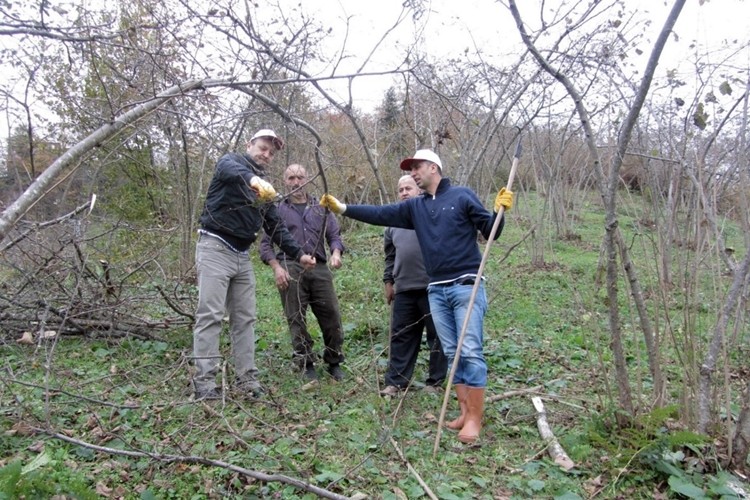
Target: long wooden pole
477	282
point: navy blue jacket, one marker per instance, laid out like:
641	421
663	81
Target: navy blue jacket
234	212
446	225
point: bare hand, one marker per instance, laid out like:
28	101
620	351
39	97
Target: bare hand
389	293
335	260
282	278
307	261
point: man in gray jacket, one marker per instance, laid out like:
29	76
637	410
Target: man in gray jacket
406	283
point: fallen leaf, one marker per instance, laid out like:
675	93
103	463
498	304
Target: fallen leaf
103	490
593	485
21	429
91	422
26	338
310	386
36	446
399	493
49	334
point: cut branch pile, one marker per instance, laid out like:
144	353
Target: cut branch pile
53	285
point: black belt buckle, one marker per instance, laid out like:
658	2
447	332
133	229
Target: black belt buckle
465	281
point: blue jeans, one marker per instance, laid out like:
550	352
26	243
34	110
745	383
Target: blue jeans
449	306
226	284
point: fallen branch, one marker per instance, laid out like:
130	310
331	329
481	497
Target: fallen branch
413	471
512	394
35	227
192	459
556	452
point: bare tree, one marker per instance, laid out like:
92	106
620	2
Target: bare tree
608	188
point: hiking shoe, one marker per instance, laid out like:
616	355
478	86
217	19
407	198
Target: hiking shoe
390	390
336	372
310	373
256	390
432	389
211	394
249	389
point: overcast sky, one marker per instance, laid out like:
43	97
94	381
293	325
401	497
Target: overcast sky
452	26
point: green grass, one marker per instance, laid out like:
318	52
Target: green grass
546	327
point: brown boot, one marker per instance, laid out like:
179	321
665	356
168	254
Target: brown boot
474	413
458	423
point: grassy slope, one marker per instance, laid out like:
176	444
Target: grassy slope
546	327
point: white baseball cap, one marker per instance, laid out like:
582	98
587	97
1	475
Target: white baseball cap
422	155
267	132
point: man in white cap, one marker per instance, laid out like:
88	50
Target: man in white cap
238	205
446	220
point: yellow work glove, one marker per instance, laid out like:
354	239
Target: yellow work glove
504	198
264	189
332	204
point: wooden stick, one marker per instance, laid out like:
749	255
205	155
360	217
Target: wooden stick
477	282
512	394
556	452
413	471
300	484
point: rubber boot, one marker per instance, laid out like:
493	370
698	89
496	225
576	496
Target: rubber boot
474	413
458	423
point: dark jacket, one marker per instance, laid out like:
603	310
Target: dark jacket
446	224
306	230
233	210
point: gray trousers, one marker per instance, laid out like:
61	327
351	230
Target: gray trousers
226	283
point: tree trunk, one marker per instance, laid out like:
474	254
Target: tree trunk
741	441
608	187
714	349
621	369
649	336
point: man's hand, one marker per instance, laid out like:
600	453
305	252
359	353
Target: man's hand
389	293
504	199
282	277
332	204
307	261
335	260
264	190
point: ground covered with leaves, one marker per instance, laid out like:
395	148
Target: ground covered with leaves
99	417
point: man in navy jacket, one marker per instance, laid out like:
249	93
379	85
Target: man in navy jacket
446	219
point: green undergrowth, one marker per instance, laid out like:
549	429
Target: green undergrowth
545	334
